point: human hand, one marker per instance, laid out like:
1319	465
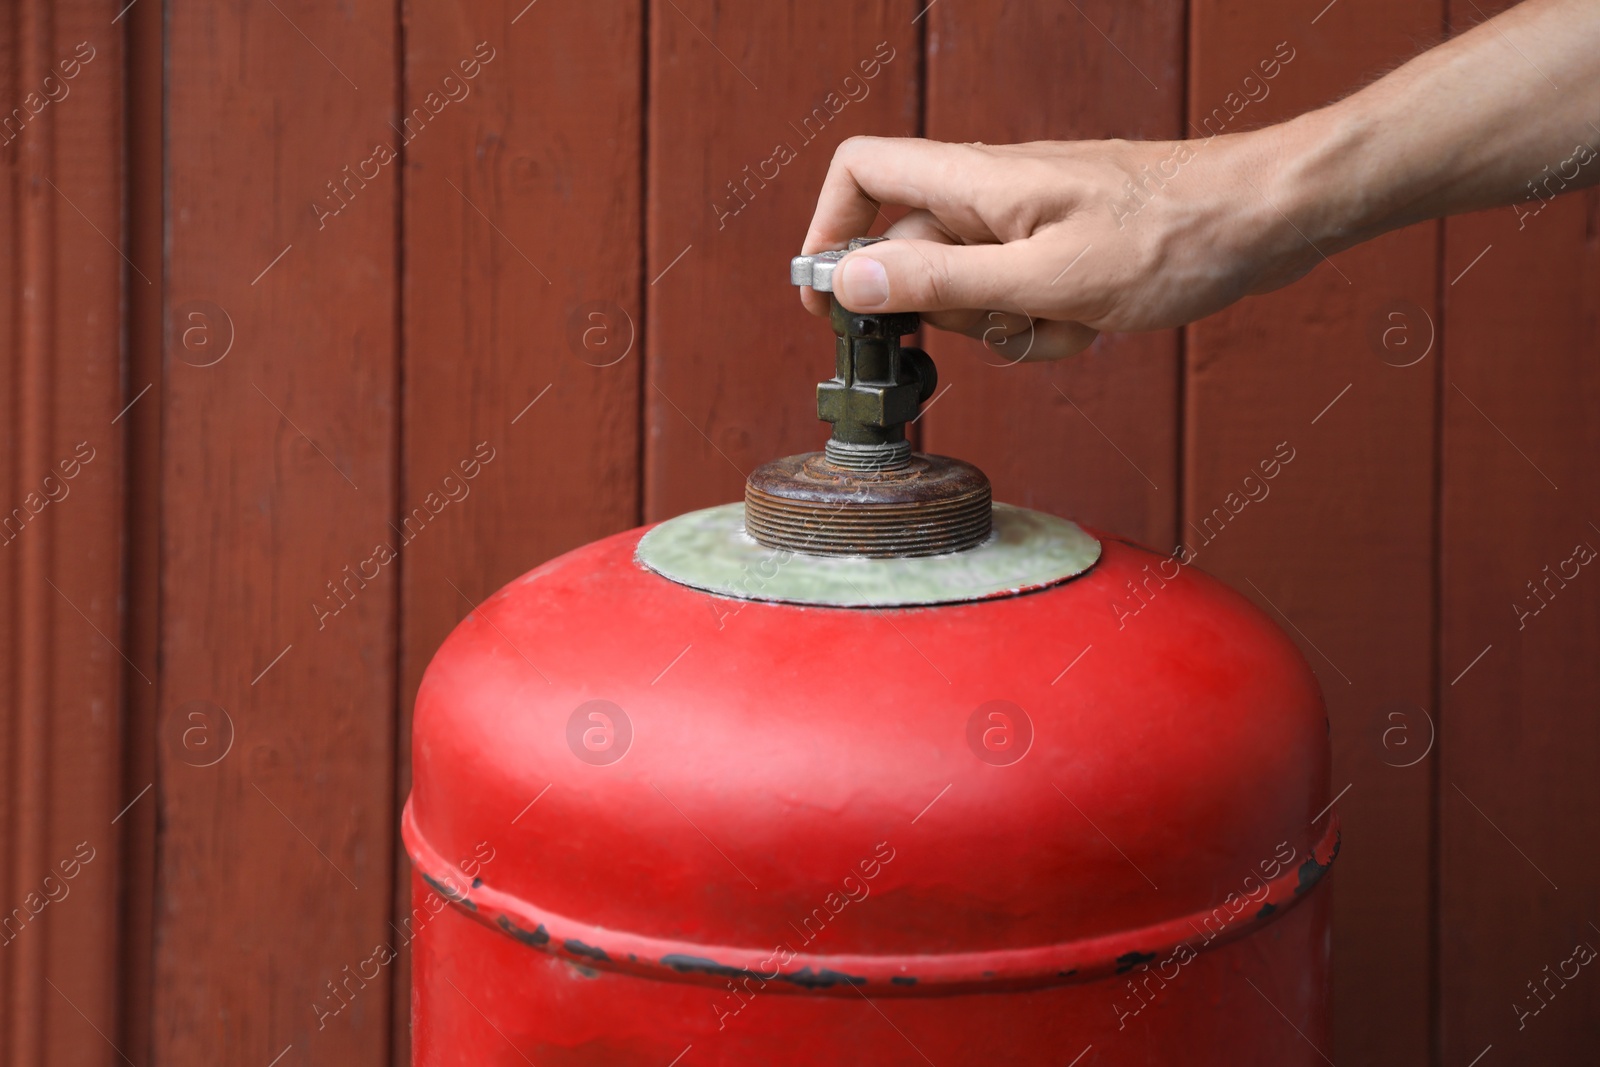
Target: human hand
1040	246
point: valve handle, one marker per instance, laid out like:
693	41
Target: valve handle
816	269
878	385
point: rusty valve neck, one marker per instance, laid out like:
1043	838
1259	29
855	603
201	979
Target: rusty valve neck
877	385
866	494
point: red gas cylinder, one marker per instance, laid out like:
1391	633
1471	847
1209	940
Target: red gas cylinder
869	770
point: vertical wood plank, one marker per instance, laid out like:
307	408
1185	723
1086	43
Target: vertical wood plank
14	1008
1518	891
1338	545
278	629
1094	437
141	628
60	150
1519	881
521	312
747	103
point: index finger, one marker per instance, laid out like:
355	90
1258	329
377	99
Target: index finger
869	171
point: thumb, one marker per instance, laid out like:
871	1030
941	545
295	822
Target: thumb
912	275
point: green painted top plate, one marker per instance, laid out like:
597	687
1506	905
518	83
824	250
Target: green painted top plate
710	550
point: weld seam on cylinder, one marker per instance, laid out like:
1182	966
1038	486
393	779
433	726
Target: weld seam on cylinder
670	959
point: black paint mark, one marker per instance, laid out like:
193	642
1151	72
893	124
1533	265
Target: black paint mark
684	964
823	978
538	937
1129	960
578	948
1311	871
455	896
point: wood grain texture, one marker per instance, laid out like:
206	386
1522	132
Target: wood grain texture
278	479
1094	437
1519	881
1338	545
16	974
60	551
733	360
141	629
523	272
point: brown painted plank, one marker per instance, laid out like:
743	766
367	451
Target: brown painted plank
279	472
62	158
1094	437
141	630
1519	883
733	359
1338	547
1520	736
523	263
12	620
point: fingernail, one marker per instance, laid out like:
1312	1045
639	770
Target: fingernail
865	282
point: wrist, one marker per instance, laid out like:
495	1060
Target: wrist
1272	205
1296	193
1327	180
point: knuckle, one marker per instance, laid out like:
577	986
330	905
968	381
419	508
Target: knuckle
854	148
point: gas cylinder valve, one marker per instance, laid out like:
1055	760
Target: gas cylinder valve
877	384
866	493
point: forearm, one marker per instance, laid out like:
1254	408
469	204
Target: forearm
1505	113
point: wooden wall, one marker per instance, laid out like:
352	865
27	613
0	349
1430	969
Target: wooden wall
273	271
64	670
